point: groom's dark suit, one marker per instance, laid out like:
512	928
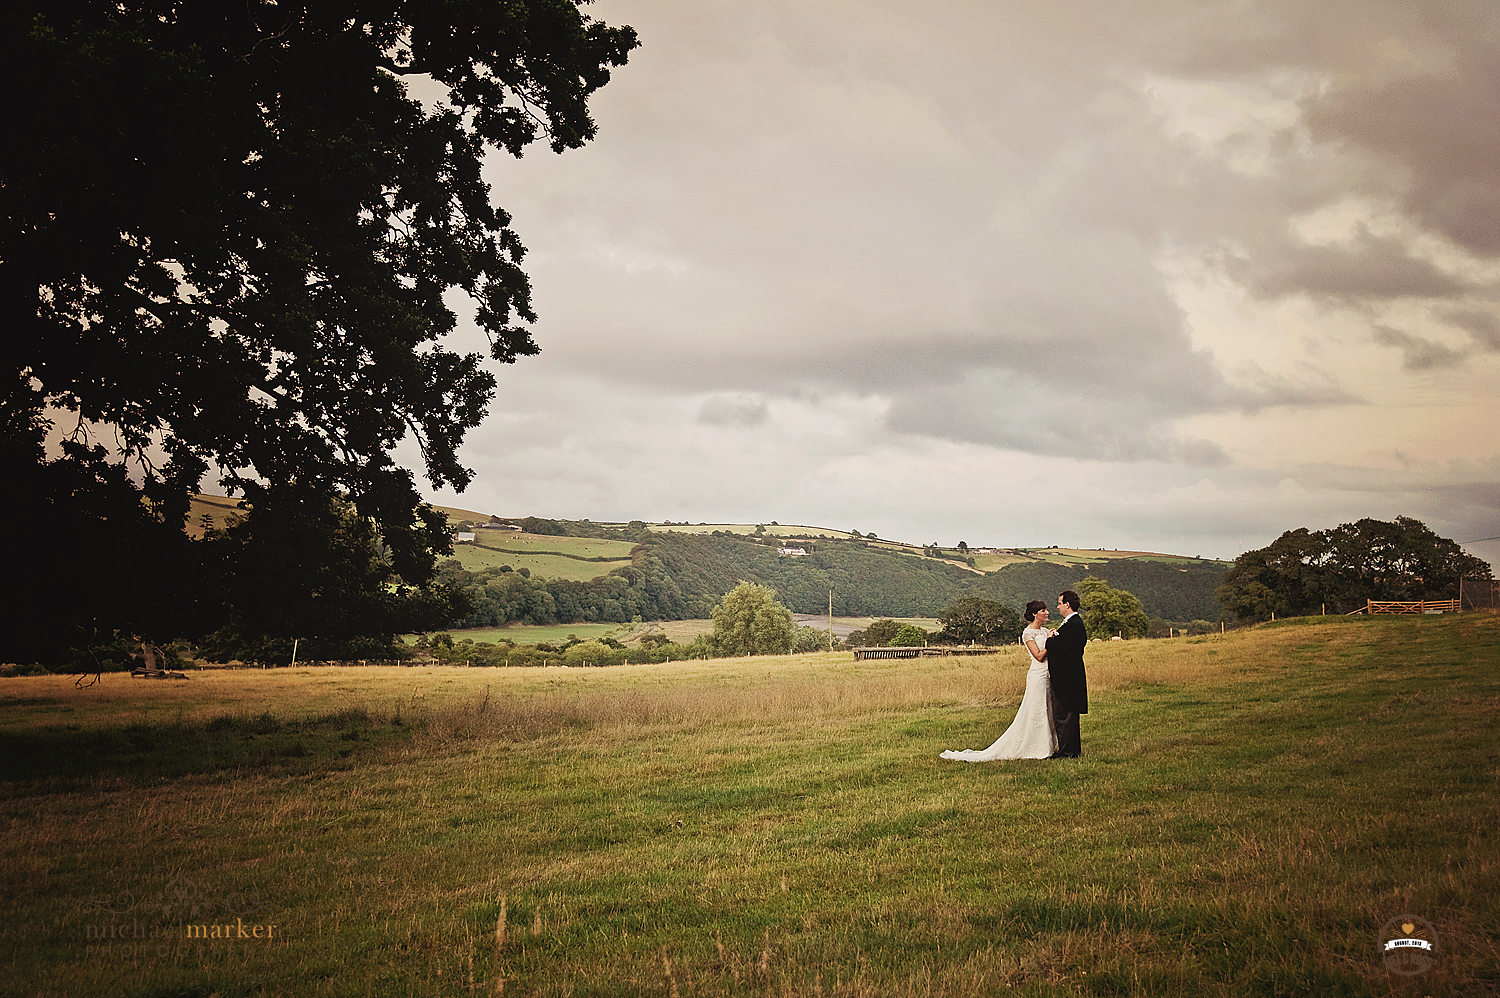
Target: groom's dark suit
1070	687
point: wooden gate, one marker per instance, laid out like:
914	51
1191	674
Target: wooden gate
1402	606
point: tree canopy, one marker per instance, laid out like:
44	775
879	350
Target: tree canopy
880	633
1303	571
749	621
909	636
979	621
231	232
1108	611
307	567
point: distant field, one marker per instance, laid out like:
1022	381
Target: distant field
993	562
205	511
776	530
525	634
1073	556
455	514
842	626
572	547
1176	559
545	555
680	631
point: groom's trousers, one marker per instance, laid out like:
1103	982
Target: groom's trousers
1069	743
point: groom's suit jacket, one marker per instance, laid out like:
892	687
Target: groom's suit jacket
1070	686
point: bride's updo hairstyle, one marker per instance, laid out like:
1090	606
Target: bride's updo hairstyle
1032	608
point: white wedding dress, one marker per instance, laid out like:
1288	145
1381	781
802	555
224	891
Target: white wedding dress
1030	735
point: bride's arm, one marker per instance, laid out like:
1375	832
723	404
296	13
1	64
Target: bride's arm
1040	654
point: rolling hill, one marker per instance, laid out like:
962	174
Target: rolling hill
586	571
563	571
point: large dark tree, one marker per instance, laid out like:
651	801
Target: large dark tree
307	567
979	621
229	232
1303	571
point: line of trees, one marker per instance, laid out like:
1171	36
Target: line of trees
1303	571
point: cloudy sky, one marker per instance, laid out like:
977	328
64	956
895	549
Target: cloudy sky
1164	275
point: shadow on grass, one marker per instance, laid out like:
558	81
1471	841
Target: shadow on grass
57	756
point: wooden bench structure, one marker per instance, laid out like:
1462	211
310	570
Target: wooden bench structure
930	651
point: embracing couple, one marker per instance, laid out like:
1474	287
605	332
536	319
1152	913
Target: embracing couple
1046	726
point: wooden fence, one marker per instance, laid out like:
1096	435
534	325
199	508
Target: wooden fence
1399	606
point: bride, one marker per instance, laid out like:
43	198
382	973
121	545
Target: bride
1030	735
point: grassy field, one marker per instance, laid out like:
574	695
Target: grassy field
988	562
1074	556
1249	811
206	511
776	530
843	625
575	558
681	631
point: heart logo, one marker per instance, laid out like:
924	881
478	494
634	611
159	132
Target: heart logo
1407	927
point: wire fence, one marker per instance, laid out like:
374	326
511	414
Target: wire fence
1479	594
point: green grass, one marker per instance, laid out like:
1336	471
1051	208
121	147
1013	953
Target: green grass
994	562
575	558
1249	810
590	549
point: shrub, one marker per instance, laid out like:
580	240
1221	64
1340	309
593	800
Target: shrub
909	636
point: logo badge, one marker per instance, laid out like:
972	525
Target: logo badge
1408	945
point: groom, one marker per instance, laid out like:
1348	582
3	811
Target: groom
1070	688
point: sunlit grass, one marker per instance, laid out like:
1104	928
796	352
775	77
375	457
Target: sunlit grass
1249	809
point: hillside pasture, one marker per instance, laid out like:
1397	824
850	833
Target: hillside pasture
990	562
775	530
205	511
578	559
1085	556
1249	811
457	515
680	631
843	626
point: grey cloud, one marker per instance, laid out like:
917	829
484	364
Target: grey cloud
1042	413
1395	110
1483	326
1458	499
960	211
1263	390
1418	354
1437	124
736	412
1369	269
1199	453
